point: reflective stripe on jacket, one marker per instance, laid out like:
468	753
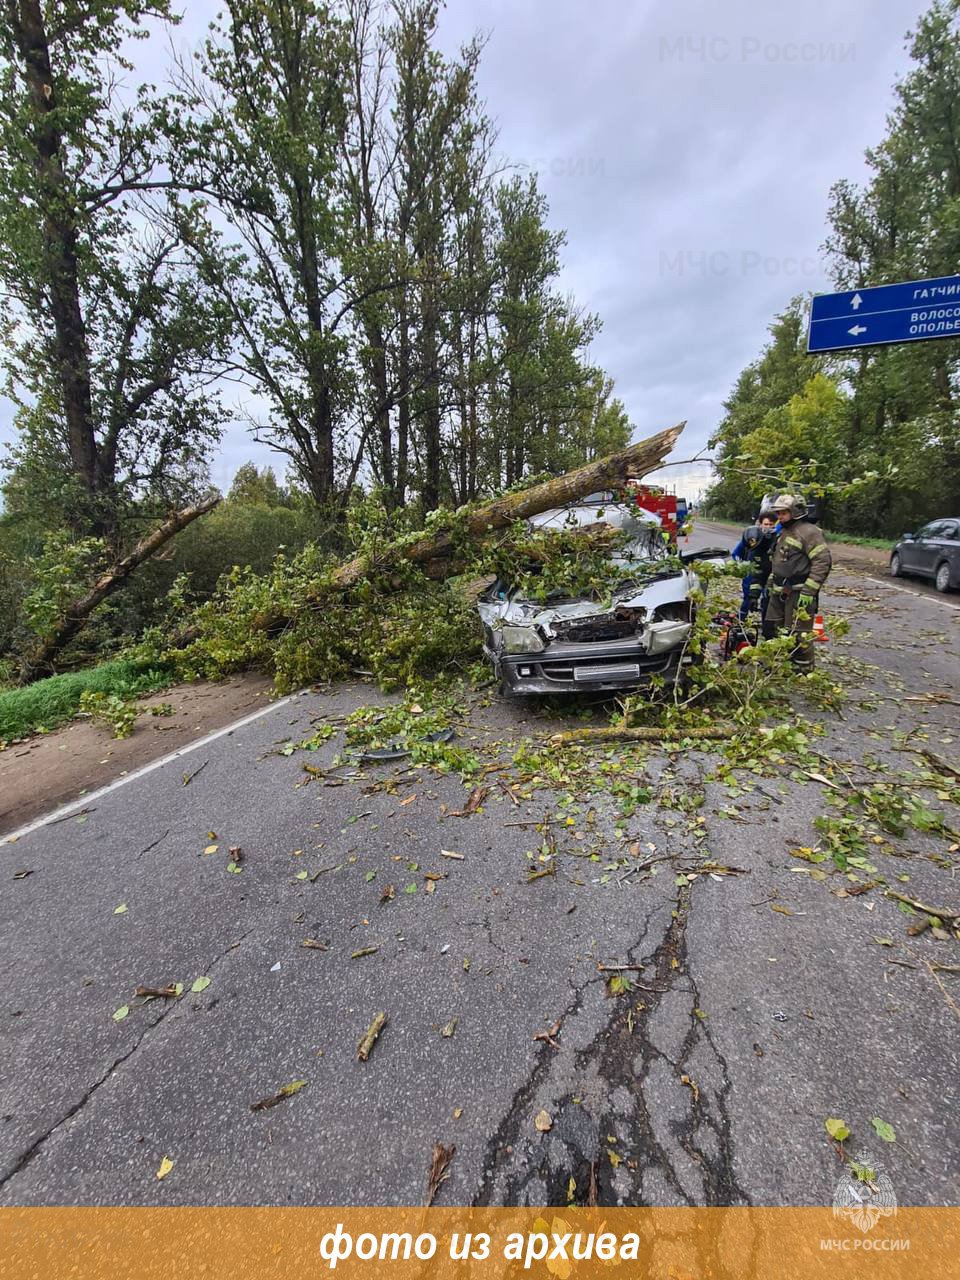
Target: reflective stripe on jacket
801	556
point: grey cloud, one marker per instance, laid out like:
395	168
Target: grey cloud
688	150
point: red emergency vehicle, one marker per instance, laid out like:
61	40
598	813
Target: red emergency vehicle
663	505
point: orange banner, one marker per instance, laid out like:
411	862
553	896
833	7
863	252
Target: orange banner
474	1244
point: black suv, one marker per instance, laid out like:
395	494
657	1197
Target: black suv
932	552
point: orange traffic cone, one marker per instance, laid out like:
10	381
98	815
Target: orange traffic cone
819	630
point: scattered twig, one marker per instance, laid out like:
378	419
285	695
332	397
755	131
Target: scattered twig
189	777
616	733
158	840
941	912
549	1036
281	1095
538	875
476	799
369	1037
79	813
946	994
938	762
508	790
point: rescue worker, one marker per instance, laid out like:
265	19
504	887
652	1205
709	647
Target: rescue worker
756	546
799	566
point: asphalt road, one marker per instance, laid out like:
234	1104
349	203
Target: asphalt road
764	1003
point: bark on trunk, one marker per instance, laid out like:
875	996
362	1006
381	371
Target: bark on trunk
606	734
403	408
75	617
606	473
56	207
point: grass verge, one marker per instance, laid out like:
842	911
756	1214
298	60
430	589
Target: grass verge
45	703
880	544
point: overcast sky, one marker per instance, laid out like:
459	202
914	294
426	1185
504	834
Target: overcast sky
688	150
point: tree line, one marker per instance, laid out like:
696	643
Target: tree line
878	430
312	206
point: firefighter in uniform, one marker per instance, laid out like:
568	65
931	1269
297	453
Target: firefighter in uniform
799	566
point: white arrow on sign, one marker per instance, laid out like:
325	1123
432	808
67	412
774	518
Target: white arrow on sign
855	301
857	330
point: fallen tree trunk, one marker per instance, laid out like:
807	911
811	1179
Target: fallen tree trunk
614	733
75	616
611	472
438	553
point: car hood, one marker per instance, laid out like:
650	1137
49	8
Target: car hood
515	610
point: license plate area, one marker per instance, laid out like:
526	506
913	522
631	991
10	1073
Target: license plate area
609	671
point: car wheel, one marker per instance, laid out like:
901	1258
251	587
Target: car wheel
942	579
895	570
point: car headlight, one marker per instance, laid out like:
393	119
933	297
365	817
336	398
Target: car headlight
664	635
521	640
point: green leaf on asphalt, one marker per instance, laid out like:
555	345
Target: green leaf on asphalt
883	942
200	984
118	911
862	1172
121	1013
371	875
302	875
836	1129
410	888
178	988
232	866
884	1130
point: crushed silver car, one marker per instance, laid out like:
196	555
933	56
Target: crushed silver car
580	645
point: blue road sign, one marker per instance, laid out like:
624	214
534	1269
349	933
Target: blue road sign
911	311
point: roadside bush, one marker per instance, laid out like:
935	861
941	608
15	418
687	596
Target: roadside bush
47	703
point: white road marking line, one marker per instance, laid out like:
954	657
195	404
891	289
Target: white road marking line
917	595
82	801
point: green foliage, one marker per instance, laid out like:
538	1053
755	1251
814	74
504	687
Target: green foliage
844	839
118	714
396	624
311	204
109	337
836	1129
291	623
885	417
59	574
426	711
47	703
554	563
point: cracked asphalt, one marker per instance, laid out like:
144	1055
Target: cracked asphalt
707	1083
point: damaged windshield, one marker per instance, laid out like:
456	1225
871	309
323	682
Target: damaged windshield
588	552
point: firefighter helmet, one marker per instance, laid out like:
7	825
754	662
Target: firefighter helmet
791	502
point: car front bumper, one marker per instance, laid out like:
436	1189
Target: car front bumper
586	668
